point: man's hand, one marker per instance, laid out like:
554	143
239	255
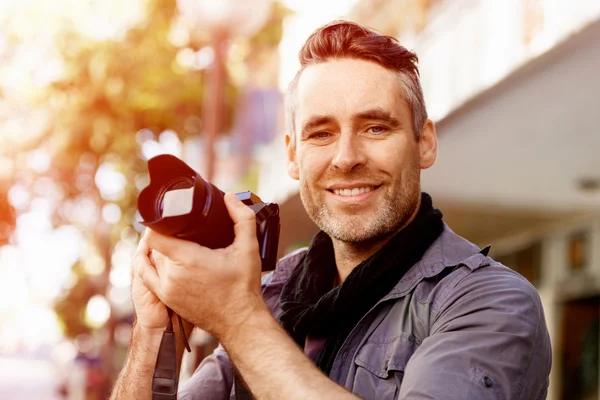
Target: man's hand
216	290
219	291
151	313
135	378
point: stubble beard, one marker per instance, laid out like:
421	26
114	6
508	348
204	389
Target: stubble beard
393	210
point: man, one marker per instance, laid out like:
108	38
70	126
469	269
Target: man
387	302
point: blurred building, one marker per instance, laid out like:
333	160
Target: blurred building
512	86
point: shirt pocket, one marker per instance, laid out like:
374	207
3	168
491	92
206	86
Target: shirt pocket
380	365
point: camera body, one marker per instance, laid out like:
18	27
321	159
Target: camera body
178	202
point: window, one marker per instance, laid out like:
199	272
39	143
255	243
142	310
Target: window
578	251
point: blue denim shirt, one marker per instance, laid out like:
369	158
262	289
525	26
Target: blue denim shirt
458	325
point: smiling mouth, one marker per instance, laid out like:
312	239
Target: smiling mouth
354	191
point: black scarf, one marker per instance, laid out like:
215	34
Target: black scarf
312	306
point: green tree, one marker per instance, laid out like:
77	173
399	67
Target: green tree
111	90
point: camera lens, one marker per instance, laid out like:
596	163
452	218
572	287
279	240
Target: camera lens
178	202
177	183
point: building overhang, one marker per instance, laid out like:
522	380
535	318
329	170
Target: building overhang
530	143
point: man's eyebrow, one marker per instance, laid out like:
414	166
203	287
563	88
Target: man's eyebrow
315	122
378	114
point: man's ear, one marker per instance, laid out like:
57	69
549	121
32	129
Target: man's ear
428	144
292	164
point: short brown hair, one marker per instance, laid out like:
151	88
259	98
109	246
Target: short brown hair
344	39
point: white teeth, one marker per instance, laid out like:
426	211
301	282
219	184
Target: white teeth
352	192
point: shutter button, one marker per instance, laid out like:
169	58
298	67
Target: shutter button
487	381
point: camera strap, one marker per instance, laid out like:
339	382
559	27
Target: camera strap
166	376
165	380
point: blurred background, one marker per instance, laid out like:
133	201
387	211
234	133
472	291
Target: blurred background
89	90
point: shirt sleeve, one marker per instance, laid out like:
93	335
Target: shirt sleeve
488	340
213	379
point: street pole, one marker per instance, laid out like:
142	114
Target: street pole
215	101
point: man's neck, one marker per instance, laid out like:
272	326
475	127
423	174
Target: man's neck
349	255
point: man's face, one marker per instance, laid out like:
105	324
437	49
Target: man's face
356	155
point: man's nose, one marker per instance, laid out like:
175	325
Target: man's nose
349	153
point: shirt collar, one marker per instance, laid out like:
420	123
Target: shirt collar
448	250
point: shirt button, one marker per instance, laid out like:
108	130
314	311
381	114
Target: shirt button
487	381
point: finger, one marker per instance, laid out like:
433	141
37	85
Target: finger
140	256
158	260
172	247
244	221
149	278
143	248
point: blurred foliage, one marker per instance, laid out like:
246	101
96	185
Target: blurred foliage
7	215
270	35
71	308
108	92
111	90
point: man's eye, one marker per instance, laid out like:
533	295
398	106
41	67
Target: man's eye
376	129
320	135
